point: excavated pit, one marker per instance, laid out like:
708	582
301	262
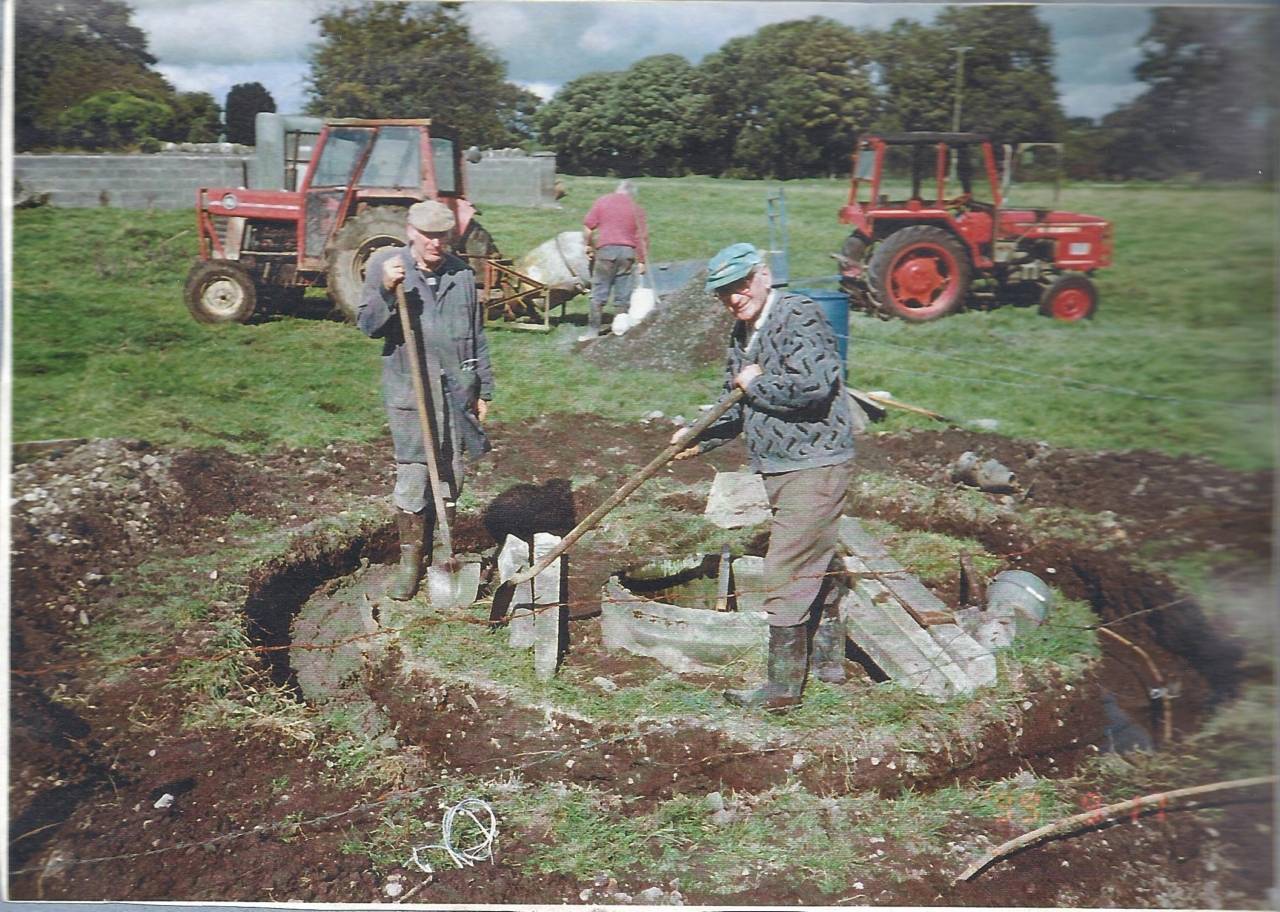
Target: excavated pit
89	749
338	655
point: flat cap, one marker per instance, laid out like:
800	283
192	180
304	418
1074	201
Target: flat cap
731	264
432	217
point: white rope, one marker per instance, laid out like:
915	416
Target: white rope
482	850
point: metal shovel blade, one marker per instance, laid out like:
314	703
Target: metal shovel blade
453	589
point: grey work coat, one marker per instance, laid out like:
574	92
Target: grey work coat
450	328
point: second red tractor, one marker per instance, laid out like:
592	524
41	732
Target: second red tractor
929	254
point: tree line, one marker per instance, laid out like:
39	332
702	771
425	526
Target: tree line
788	101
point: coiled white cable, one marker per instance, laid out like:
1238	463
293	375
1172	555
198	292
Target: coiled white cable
482	850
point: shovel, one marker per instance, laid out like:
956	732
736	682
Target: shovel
505	592
449	583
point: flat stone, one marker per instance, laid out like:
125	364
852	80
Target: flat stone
976	659
551	610
923	605
737	499
682	639
858	540
895	641
517	555
748	582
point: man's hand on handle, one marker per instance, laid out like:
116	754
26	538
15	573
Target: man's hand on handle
683	436
392	273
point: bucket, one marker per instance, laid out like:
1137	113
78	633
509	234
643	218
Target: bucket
1022	595
835	307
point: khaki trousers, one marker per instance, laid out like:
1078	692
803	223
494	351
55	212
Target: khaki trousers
803	536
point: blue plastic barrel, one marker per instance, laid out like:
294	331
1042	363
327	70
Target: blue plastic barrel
835	307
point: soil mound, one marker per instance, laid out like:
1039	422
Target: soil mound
688	329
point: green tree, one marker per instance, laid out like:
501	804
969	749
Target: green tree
1210	105
244	102
649	120
69	51
196	118
401	59
1009	88
790	100
578	123
917	71
113	120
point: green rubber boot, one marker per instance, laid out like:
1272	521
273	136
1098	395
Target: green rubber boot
404	582
828	647
787	663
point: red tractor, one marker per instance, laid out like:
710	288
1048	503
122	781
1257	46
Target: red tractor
926	256
262	248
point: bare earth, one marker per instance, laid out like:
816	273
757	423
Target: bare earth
91	752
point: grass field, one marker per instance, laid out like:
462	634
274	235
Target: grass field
1179	357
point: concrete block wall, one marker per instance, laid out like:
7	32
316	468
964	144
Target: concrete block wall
159	181
170	180
513	178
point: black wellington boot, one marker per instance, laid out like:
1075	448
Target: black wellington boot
787	663
404	582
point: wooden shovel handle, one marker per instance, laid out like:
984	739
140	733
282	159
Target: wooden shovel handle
420	394
710	417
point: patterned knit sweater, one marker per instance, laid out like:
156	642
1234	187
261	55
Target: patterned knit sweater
796	414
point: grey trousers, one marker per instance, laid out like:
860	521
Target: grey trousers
803	538
612	270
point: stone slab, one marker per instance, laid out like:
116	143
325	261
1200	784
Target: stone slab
861	543
896	642
924	606
737	499
976	659
516	555
551	613
683	639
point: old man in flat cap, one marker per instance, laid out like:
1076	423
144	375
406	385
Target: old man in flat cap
440	296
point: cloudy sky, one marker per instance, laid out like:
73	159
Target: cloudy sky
210	45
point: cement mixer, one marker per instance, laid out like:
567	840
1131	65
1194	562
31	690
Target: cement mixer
523	293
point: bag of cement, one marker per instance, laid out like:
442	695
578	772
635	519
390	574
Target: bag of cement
561	263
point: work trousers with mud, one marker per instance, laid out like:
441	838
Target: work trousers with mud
612	270
803	538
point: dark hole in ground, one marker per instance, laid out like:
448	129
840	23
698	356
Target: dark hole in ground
1059	727
277	593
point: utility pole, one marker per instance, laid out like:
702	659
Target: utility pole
955	119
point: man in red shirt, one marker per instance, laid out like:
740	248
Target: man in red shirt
615	229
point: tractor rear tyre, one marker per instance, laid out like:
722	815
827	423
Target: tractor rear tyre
919	274
349	252
220	291
1071	297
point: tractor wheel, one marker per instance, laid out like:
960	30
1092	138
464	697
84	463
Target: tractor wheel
349	251
920	273
1071	296
476	241
220	291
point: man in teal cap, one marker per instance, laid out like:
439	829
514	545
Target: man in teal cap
798	425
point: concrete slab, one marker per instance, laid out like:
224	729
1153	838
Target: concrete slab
748	582
682	639
976	660
878	623
861	543
551	611
737	499
923	605
516	555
